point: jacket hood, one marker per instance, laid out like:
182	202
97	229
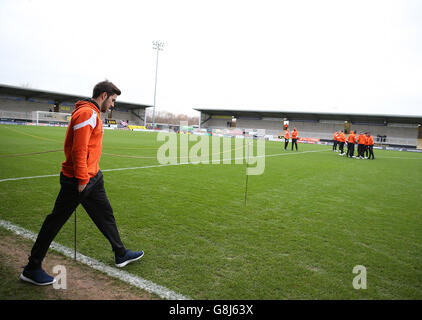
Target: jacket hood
86	103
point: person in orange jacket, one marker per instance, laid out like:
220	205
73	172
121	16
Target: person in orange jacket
351	140
81	182
370	145
366	145
294	138
361	145
335	141
286	138
341	141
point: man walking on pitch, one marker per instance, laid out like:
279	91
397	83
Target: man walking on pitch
81	182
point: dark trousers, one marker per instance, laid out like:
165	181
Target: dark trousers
361	150
371	152
335	145
95	202
341	148
294	143
286	143
350	149
366	150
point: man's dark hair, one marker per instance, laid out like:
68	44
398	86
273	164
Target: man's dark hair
105	86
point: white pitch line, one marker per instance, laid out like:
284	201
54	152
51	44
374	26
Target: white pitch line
125	276
105	170
292	153
145	167
163	165
34	177
398	158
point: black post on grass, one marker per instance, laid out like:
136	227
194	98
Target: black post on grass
75	237
247	164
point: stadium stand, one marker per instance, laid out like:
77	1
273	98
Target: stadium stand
17	105
387	130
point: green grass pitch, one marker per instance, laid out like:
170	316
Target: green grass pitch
310	218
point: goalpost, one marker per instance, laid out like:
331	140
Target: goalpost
47	118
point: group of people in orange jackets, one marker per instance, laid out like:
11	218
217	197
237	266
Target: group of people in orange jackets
287	137
364	140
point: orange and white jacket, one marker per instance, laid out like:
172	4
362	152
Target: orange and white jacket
341	137
369	141
336	135
361	139
83	142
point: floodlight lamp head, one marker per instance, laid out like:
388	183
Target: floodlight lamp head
158	45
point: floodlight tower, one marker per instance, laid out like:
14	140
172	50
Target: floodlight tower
158	46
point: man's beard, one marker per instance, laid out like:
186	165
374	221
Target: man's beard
103	107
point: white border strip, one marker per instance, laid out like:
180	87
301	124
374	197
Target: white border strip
97	265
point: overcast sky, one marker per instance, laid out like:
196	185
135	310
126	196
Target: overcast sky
316	55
